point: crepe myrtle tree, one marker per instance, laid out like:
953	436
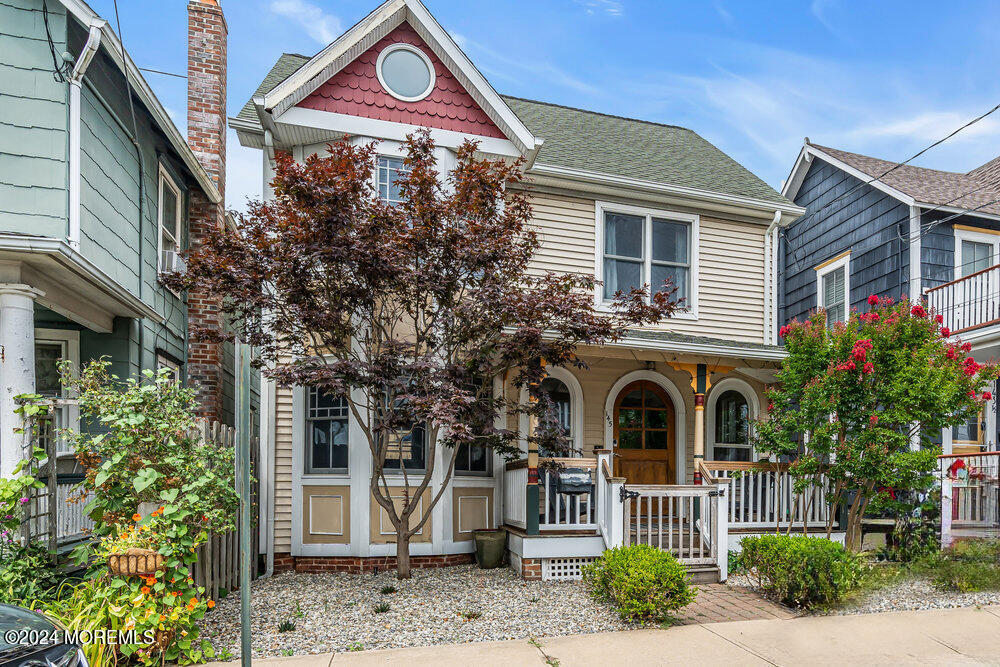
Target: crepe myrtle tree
408	311
851	398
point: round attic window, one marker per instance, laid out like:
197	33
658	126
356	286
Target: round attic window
406	72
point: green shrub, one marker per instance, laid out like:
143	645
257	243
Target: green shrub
26	573
801	571
642	581
967	566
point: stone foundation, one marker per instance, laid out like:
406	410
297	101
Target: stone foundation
284	562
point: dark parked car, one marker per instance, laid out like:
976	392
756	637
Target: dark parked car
29	639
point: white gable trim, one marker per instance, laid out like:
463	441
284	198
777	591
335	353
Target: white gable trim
374	27
384	129
794	181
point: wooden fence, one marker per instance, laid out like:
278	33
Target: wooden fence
62	522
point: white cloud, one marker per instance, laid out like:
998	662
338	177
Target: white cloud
725	15
609	7
536	68
930	126
318	24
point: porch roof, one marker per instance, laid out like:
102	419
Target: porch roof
676	342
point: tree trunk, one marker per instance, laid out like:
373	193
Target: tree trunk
402	556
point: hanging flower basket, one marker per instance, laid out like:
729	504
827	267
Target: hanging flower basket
135	562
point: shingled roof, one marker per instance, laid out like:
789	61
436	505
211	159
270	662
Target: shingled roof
606	144
977	190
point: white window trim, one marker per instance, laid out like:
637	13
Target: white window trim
165	180
392	48
400	154
163	361
69	339
576	407
985	236
841	261
718	389
690	310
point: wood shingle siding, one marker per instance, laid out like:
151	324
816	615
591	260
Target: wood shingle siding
866	222
33	122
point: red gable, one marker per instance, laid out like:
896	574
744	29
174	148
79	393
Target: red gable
355	90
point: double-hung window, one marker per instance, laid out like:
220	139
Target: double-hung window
326	433
833	288
390	169
169	216
645	247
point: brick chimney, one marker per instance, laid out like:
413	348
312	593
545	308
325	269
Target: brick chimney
206	129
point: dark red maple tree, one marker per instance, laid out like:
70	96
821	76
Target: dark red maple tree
408	311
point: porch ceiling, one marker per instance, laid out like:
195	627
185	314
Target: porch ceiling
668	346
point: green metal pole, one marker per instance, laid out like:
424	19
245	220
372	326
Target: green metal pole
243	460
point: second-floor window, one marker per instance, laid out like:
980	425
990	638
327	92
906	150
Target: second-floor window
169	216
833	288
975	250
644	247
389	171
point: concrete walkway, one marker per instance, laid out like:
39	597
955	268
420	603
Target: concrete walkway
966	636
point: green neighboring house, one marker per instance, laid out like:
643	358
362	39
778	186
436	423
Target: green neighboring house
100	195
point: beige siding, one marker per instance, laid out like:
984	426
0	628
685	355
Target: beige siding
730	266
283	471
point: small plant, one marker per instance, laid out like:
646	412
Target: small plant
287	652
733	559
470	614
967	566
223	654
286	626
642	581
381	608
387	590
533	600
355	646
352	603
298	613
801	571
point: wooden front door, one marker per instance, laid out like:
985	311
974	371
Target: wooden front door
644	430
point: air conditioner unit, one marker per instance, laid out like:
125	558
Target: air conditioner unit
172	262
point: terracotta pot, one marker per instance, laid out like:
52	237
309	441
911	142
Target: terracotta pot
135	562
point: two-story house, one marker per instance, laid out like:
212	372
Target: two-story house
629	201
874	227
100	195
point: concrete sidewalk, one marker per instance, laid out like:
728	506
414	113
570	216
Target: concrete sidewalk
935	637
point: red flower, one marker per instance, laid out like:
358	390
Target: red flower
869	367
918	311
945	331
850	364
987	395
939	319
966	347
783	331
873	420
873	300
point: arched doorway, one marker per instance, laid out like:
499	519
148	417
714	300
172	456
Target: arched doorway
644	430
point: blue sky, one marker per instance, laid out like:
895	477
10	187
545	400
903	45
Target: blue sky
754	78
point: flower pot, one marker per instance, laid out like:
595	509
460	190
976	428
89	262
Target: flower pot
490	547
135	562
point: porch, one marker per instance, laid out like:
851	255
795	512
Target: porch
553	534
970	307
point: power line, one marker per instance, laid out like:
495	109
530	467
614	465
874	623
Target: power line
156	71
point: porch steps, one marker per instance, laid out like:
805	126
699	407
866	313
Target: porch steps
703	574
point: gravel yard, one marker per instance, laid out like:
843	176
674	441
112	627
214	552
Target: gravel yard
337	612
907	594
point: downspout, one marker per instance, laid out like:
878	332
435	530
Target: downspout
267	411
75	85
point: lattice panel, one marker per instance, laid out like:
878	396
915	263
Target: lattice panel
564	569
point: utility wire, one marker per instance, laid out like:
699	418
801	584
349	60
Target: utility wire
156	71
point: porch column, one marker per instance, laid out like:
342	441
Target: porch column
17	366
700	388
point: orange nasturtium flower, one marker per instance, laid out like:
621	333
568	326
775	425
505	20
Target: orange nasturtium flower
193	602
150	581
211	603
137	517
145	590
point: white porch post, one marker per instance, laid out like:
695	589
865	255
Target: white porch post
17	365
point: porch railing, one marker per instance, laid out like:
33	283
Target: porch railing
681	519
970	496
762	495
971	302
556	511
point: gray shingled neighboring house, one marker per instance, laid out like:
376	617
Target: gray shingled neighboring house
872	227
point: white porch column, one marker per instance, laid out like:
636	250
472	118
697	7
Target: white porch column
17	365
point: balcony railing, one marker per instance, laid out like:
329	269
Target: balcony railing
971	302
